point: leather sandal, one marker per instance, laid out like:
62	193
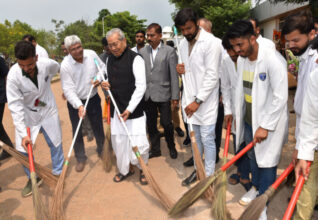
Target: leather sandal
142	178
120	177
234	179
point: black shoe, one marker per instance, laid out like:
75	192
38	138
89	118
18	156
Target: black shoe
179	132
173	153
217	159
151	154
186	141
189	163
4	155
161	135
190	179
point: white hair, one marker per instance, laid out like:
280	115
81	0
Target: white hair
71	40
114	31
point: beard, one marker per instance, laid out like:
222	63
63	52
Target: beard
190	37
299	52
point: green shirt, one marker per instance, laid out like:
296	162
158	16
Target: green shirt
34	79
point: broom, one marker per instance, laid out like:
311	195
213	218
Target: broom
39	208
195	192
293	200
57	212
196	153
43	172
163	198
254	210
219	210
106	154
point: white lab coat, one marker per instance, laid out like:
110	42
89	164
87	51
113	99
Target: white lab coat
229	77
266	42
201	77
308	134
22	94
41	52
269	105
307	63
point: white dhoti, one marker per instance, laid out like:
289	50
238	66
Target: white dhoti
122	146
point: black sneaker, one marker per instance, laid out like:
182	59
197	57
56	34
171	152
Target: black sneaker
186	141
179	132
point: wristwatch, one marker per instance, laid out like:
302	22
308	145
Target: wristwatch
198	101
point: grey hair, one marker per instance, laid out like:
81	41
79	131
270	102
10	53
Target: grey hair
71	40
114	31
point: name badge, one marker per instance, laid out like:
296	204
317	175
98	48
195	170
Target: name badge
262	76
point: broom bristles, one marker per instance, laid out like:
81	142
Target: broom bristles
43	172
254	210
106	154
40	210
57	210
193	194
163	198
219	210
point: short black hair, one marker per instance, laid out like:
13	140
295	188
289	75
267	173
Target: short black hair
314	43
28	37
141	31
156	26
170	43
241	28
104	42
185	15
24	50
302	21
226	42
255	20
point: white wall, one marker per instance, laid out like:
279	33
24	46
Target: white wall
268	28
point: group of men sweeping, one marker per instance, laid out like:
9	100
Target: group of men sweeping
254	86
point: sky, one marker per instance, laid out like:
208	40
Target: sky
38	13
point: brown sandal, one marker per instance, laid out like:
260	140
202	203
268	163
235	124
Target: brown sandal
120	177
142	178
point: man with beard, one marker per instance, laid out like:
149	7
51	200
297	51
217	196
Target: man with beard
162	88
140	40
127	82
200	52
229	77
260	106
299	30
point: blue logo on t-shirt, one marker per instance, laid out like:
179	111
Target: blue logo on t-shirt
262	76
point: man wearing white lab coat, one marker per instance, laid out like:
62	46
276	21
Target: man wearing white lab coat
229	77
260	39
40	51
200	52
32	104
260	106
299	30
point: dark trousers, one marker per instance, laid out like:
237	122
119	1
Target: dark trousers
164	108
218	129
3	134
94	114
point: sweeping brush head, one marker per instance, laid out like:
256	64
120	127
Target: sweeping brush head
39	208
193	194
57	210
254	210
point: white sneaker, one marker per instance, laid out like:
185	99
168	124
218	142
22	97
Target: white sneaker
249	196
263	215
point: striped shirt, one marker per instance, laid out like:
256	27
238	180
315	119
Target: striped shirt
248	78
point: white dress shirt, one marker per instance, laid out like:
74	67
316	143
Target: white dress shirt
77	77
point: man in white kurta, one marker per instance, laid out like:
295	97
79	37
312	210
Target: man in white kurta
200	53
32	104
127	81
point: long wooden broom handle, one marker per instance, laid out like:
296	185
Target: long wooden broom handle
182	75
237	156
283	176
227	140
30	153
108	110
293	200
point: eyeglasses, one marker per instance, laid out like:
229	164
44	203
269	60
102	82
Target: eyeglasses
114	45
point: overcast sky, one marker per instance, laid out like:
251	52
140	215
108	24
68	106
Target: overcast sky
38	13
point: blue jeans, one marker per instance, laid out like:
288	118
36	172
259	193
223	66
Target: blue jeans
262	178
205	137
57	156
243	164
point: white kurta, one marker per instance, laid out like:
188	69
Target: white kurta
202	77
22	95
307	63
269	105
136	127
308	134
41	52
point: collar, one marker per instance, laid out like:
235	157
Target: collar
157	47
74	61
27	75
308	52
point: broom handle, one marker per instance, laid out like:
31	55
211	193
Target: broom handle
79	124
227	140
293	200
182	75
283	176
108	110
30	153
237	156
